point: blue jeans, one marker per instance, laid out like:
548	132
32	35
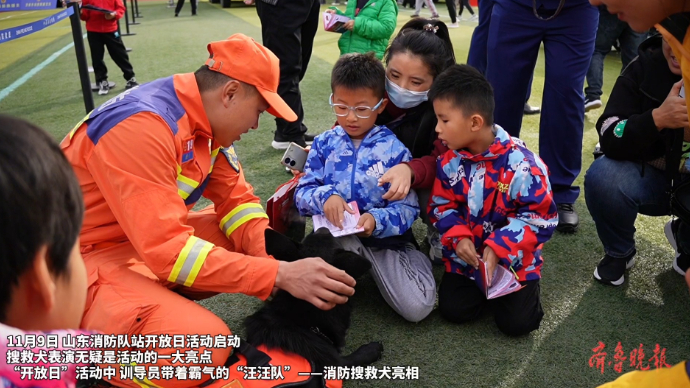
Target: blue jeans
616	191
610	28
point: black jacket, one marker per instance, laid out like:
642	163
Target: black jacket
416	130
642	87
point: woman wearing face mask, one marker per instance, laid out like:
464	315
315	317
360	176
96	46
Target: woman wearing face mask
421	51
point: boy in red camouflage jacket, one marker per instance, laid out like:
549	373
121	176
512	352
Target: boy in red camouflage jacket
491	201
102	31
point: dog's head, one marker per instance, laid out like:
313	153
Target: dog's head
318	244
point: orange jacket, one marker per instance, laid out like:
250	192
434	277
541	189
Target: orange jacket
143	159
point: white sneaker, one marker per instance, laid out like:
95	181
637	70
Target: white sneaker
592	104
474	18
103	88
454	25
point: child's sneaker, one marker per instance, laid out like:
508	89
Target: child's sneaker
682	261
454	25
435	247
131	83
103	88
611	270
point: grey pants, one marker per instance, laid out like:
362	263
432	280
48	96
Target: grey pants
403	277
429	3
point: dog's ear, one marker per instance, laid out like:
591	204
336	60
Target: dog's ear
280	246
352	263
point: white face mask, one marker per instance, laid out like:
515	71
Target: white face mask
403	98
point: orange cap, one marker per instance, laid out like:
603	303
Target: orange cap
242	58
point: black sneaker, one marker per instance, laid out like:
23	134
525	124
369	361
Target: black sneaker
611	270
568	220
131	83
682	261
592	103
103	88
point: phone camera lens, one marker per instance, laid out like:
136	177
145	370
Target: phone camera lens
292	163
287	160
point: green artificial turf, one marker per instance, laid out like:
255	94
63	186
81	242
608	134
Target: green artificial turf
652	308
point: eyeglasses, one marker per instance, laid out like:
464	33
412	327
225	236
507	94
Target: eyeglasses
342	110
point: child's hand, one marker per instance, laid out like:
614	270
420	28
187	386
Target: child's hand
110	16
330	11
467	253
334	209
349	25
368	222
400	178
491	261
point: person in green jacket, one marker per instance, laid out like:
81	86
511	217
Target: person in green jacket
370	28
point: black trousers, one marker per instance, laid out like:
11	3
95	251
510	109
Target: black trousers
288	29
519	313
465	4
180	3
451	10
116	49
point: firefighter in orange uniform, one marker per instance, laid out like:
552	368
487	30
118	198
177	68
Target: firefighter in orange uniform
143	159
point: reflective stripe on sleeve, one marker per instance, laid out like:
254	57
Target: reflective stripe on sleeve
189	261
240	215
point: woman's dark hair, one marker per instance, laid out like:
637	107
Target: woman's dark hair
40	203
427	39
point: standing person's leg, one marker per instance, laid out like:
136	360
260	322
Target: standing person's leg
281	31
466	4
616	192
459	298
477	55
97	48
309	29
450	4
118	52
515	38
417	7
404	278
630	42
607	33
432	7
178	8
193	3
568	48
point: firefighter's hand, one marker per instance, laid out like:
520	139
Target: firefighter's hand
334	209
315	281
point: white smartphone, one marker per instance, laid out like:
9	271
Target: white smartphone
295	157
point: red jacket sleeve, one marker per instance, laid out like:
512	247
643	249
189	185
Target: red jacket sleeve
137	175
119	8
424	168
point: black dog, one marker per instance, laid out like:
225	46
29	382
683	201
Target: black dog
298	327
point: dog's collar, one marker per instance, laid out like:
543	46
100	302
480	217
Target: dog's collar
318	332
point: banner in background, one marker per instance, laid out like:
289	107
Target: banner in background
29	28
27	5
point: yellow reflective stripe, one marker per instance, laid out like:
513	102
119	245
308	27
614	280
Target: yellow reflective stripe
74	130
185	186
214	154
189	261
240	215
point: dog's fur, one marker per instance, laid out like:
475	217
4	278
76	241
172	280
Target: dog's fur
297	326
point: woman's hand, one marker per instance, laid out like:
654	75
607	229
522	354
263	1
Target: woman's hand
400	177
673	112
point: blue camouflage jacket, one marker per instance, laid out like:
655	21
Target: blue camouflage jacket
335	167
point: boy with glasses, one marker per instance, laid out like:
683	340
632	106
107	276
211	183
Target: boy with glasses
345	165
